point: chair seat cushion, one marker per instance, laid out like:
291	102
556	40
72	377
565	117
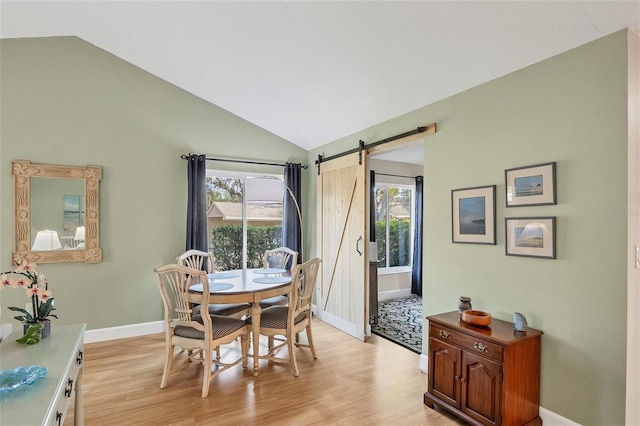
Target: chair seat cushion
221	326
274	301
223	308
276	317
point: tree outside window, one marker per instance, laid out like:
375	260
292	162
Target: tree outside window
393	218
240	229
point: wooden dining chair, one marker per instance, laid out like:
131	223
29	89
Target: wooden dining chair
197	334
281	258
201	260
197	259
295	318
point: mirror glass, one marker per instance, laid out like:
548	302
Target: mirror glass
58	205
56	213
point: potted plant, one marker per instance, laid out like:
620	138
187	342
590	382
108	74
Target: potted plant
37	289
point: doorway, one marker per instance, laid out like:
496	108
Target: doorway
397	315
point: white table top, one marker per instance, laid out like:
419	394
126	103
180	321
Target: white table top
245	281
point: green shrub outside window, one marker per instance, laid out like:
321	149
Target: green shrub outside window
226	243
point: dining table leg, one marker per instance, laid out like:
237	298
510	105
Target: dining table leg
255	336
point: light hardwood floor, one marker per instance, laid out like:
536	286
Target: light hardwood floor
351	383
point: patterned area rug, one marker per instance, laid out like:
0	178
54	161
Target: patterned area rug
400	320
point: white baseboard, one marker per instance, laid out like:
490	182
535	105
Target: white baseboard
549	418
423	363
392	294
124	331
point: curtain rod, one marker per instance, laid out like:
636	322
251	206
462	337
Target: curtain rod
228	160
402	176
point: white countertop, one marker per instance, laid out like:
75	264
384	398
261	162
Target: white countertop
5	330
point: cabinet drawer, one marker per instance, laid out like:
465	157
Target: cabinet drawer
66	392
465	341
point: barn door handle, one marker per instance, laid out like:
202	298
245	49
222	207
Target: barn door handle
358	245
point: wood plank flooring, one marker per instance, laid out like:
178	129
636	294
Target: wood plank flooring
351	383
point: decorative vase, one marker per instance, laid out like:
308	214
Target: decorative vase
519	322
464	304
46	327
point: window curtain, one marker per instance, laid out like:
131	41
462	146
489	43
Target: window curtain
291	222
416	273
373	265
372	207
197	238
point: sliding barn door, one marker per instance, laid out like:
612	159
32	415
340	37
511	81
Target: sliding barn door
342	290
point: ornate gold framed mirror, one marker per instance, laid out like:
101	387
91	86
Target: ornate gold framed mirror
56	213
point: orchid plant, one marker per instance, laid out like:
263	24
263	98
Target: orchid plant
36	287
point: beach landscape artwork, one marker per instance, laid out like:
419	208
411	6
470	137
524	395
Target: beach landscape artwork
74	211
531	236
472	220
473	215
531	185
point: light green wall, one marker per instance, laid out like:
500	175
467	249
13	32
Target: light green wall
570	109
64	101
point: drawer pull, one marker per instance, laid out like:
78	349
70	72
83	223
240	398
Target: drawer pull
59	418
79	358
69	388
480	347
444	334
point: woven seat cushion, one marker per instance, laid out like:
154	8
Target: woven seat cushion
274	301
222	326
223	308
276	317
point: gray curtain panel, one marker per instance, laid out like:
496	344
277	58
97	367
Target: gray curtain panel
416	273
197	237
291	226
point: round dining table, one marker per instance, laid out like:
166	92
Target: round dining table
248	286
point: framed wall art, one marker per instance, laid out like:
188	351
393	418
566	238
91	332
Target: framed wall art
531	236
531	185
473	215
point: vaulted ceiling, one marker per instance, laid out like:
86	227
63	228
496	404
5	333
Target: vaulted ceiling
315	71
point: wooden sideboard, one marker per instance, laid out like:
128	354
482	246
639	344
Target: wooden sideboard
46	401
484	375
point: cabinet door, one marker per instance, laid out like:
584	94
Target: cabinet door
482	382
444	372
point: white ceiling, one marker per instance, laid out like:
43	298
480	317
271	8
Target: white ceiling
315	71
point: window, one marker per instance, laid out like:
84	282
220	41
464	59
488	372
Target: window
244	217
394	206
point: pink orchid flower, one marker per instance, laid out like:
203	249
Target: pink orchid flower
45	295
34	290
23	283
7	282
26	267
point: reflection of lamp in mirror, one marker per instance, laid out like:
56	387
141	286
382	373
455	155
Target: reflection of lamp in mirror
46	240
79	234
79	237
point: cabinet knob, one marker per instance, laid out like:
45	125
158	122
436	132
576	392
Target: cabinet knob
444	334
79	358
69	388
480	347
